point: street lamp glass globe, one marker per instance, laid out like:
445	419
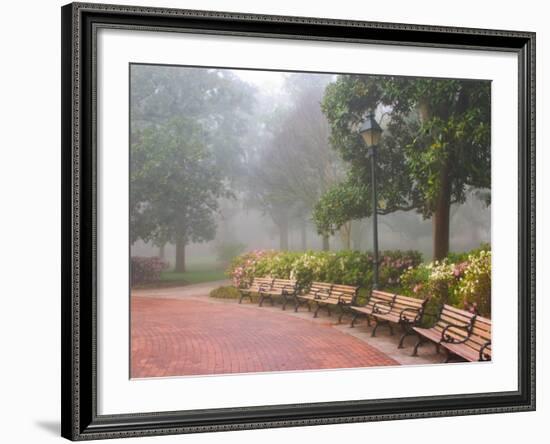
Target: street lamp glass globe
370	131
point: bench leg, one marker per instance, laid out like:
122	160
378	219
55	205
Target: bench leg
298	303
245	296
373	334
284	302
316	310
341	314
263	297
421	341
402	339
407	331
354	319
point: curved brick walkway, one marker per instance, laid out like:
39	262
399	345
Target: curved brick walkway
191	337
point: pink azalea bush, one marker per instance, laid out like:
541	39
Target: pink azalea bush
246	266
144	270
465	283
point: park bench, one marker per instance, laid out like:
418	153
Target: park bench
387	309
258	284
477	347
404	311
453	326
326	295
315	290
377	298
280	288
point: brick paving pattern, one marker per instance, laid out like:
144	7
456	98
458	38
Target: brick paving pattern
189	337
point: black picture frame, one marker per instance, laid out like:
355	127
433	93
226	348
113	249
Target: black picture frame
80	420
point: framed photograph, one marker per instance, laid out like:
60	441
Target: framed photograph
284	221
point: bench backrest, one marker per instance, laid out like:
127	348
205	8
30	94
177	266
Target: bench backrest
455	316
480	338
346	294
261	282
408	307
380	298
320	288
287	285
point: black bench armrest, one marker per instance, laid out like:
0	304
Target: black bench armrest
322	294
449	339
482	355
377	308
415	311
289	289
264	287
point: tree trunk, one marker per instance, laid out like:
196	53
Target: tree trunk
283	234
162	251
326	245
180	256
441	217
345	233
303	235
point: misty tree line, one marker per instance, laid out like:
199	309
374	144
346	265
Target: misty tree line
205	139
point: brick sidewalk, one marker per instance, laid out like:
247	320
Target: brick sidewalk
191	337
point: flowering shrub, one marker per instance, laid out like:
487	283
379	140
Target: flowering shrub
437	279
245	267
465	284
344	267
475	287
146	269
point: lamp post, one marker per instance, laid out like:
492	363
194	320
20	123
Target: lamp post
371	133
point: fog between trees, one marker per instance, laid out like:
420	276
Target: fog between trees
230	160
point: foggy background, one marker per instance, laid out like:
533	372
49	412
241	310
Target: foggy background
281	141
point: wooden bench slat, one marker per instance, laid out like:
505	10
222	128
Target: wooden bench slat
482	333
483	324
464	352
455	319
364	310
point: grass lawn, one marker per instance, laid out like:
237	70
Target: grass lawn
192	276
205	270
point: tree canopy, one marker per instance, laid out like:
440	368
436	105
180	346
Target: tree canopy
175	184
435	147
217	100
186	146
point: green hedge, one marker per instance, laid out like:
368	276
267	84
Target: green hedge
343	267
226	292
